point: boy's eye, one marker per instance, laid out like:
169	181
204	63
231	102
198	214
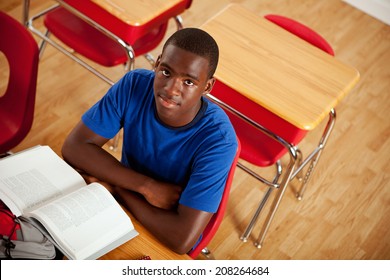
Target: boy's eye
189	83
165	73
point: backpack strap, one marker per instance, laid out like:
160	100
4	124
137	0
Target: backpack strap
8	244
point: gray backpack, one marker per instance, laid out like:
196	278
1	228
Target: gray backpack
19	239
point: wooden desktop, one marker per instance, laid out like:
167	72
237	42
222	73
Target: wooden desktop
267	64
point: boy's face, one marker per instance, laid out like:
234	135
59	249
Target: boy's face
180	81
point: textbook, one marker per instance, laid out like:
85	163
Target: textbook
83	221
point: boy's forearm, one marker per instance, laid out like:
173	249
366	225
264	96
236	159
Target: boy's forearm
178	231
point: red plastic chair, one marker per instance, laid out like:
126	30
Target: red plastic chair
93	32
265	137
17	104
217	218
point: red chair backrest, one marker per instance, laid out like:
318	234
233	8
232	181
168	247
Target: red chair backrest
302	31
17	104
216	220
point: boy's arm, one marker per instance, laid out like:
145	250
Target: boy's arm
179	229
83	150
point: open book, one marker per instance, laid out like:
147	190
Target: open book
83	221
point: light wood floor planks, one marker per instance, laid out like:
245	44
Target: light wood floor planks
345	213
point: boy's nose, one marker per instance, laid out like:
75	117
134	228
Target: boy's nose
173	87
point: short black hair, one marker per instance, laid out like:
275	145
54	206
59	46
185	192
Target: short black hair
198	42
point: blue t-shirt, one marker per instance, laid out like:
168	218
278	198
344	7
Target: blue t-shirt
197	156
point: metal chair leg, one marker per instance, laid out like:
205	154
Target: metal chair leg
207	254
149	57
115	141
255	217
42	47
262	203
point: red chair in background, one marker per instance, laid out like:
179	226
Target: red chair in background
216	220
266	138
18	101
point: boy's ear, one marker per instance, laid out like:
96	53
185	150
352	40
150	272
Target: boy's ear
157	62
209	85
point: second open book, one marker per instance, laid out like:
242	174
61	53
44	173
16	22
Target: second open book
83	221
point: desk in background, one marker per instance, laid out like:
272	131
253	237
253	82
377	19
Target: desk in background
287	76
277	70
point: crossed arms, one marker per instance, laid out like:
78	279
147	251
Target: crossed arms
153	203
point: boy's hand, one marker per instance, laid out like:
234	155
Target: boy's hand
162	195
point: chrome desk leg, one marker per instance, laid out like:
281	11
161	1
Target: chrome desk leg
321	146
299	162
278	198
262	203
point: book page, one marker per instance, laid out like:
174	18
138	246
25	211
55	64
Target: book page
86	221
35	176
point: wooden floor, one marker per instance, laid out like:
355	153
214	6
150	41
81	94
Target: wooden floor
345	213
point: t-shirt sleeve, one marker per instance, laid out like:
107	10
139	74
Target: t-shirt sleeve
208	178
106	116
